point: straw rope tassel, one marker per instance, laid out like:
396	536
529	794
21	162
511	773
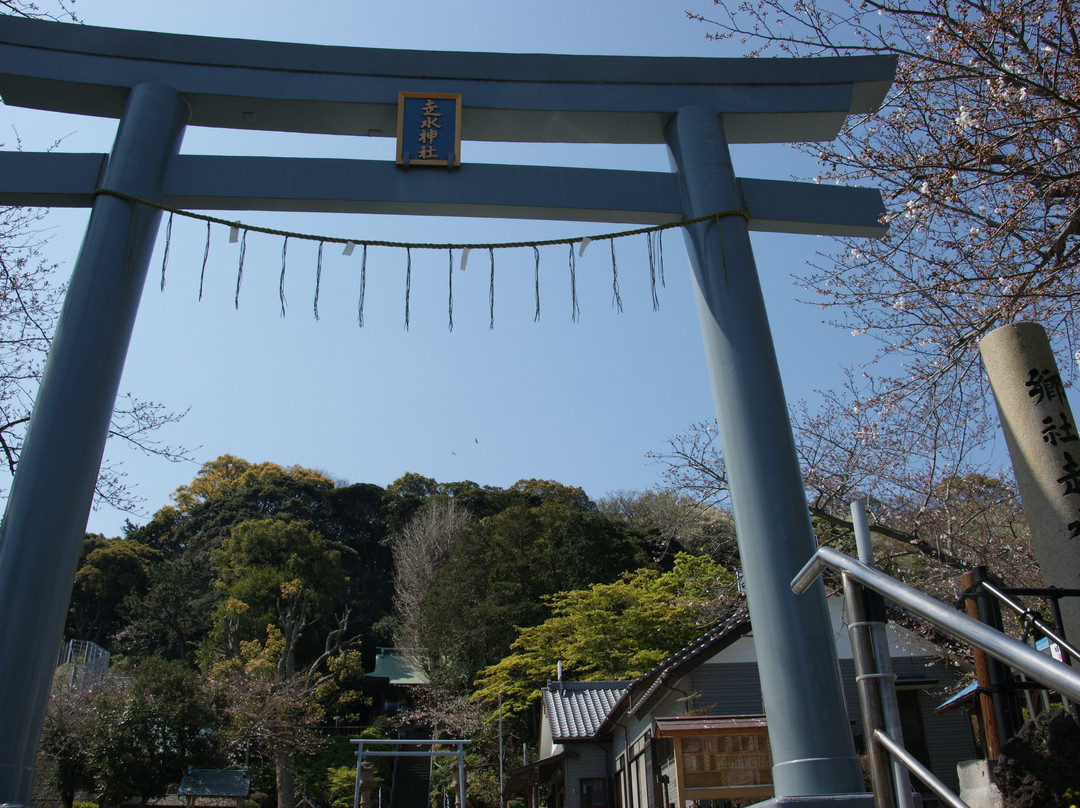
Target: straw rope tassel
408	283
205	255
649	238
318	278
363	284
536	280
491	291
450	286
281	282
239	269
723	256
165	257
654	235
575	312
617	301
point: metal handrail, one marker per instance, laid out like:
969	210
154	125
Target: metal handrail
1027	615
904	756
1014	653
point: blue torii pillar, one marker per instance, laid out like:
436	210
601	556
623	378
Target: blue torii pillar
772	523
155	82
50	497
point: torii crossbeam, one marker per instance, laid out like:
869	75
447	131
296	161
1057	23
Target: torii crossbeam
157	84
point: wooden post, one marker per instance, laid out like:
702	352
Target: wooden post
982	677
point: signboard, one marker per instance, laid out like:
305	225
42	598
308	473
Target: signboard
719	758
429	129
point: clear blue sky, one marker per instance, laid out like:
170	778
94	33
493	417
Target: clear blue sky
579	403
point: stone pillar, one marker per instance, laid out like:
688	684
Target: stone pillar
977	787
367	784
1045	449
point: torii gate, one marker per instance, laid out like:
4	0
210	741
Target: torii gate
157	84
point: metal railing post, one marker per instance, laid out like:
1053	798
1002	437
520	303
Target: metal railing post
1067	654
867	679
882	658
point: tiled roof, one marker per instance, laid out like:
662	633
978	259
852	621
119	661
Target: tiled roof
576	709
734	625
214	783
642	690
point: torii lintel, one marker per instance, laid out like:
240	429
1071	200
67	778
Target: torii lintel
331	185
241	84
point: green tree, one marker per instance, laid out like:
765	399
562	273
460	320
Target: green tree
497	572
175	612
151	729
279	578
617	630
110	570
410	493
341	782
230	475
229	491
278	631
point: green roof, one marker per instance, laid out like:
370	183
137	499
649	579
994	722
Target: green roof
393	665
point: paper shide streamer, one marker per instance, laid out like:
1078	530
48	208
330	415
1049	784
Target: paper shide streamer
239	231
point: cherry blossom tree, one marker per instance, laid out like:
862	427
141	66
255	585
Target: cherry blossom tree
30	297
419	549
975	151
54	10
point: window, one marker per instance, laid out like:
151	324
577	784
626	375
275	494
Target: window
593	792
911	725
663	751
